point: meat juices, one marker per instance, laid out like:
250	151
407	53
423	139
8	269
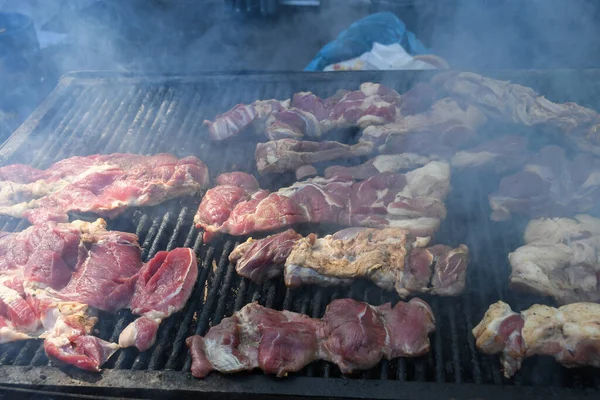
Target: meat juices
391	258
412	201
353	335
570	334
54	275
105	185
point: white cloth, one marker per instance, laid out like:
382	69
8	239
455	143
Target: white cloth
381	57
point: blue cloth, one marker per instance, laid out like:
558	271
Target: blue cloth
383	27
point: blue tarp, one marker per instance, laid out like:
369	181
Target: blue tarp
384	28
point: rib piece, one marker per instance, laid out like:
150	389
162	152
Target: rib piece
391	258
105	185
549	185
54	276
351	334
164	284
443	129
559	259
570	334
504	101
289	154
412	201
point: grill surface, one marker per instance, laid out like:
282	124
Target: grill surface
90	113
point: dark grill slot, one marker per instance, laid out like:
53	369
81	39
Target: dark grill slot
90	115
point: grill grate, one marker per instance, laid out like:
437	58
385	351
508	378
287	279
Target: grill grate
90	114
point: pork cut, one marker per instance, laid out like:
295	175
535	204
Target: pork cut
105	185
442	130
351	334
560	258
570	334
294	155
507	102
412	201
549	185
306	115
54	276
164	284
392	258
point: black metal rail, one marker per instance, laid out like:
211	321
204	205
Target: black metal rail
89	113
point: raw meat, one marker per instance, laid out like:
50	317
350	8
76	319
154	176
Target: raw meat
242	116
351	334
570	334
549	185
504	101
412	201
164	284
53	276
560	258
105	185
290	154
262	259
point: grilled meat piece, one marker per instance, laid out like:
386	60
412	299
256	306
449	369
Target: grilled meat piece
506	153
500	155
54	275
164	284
290	154
105	185
306	115
242	116
413	201
262	259
379	164
504	101
442	130
549	185
391	258
351	334
570	334
560	258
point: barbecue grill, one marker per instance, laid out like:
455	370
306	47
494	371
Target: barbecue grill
91	113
